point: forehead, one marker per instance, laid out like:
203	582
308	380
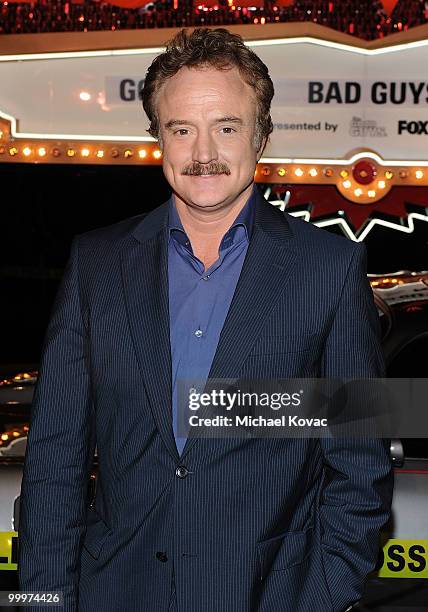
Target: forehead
206	89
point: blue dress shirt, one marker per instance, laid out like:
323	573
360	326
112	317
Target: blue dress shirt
199	300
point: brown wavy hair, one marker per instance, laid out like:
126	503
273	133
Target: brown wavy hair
216	48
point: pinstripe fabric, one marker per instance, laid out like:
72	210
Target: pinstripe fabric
173	600
258	525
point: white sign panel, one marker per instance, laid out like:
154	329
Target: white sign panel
330	100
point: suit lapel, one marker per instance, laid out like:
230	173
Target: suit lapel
144	261
265	273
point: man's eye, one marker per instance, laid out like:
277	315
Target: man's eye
228	128
181	130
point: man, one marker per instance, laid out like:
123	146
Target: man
213	282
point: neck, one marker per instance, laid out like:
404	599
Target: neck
206	227
210	224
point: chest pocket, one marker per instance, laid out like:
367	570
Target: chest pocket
273	344
273	356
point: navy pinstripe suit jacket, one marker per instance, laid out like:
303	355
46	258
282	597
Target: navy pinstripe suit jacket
258	525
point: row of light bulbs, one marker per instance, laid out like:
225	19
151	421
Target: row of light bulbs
8	436
313	172
385	282
371	193
142	153
83	152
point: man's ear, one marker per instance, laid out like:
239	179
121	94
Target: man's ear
262	148
159	141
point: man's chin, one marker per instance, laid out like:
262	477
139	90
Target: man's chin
207	189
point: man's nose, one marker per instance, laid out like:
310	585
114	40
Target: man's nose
204	149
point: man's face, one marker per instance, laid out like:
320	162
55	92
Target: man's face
207	122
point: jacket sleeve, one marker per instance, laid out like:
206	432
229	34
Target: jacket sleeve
59	452
357	492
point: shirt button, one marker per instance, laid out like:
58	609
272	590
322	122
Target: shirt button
198	333
206	277
181	471
161	556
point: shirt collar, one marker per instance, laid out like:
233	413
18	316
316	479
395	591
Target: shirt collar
245	217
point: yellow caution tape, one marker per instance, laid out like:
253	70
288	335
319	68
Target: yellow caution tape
8	550
403	559
398	558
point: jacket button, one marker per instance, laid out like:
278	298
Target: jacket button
181	471
161	556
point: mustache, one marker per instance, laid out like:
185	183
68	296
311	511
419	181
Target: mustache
197	169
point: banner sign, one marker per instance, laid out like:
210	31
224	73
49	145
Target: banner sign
331	100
